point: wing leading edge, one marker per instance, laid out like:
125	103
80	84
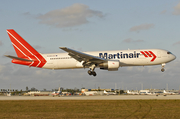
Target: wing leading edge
79	56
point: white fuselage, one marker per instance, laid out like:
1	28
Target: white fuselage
125	57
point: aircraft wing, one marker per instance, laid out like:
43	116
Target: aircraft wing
17	58
79	56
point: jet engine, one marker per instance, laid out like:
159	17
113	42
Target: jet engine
111	65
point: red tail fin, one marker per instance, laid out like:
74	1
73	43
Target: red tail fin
25	50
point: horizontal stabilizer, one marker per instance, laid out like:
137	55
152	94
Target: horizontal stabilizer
17	58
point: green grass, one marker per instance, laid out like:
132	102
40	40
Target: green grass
105	109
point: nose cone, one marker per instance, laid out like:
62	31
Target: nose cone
173	57
170	56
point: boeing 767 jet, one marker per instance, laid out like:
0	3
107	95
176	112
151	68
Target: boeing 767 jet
106	60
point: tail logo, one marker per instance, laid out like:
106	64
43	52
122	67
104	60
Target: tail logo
25	50
149	54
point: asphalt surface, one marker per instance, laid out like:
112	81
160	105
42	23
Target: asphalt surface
110	97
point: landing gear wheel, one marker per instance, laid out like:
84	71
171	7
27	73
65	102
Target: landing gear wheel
162	69
94	73
89	72
163	65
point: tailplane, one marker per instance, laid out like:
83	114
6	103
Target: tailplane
17	58
27	55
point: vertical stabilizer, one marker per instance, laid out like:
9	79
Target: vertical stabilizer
25	50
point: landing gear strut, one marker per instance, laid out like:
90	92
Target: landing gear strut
163	67
91	71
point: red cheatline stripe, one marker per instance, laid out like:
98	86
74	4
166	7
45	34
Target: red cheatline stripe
154	56
143	53
148	53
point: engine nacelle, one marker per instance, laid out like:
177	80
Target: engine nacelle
111	65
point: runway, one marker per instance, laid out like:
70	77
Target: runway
110	97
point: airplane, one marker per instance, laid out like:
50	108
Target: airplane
109	93
57	93
132	93
149	93
146	92
105	60
168	93
88	93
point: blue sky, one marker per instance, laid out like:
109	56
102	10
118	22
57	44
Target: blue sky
87	25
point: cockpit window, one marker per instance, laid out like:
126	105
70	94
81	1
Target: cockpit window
169	53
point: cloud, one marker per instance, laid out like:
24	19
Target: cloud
1	43
129	40
141	27
74	15
27	13
163	12
1	67
177	9
176	43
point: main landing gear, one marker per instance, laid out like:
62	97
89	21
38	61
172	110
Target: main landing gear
91	71
163	67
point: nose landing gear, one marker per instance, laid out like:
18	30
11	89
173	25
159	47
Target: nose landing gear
163	65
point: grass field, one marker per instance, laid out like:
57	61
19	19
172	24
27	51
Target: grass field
105	109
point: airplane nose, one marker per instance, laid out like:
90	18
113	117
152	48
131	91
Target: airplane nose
174	57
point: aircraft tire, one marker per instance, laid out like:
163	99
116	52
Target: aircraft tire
162	69
89	72
94	73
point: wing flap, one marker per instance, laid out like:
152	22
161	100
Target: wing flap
78	58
